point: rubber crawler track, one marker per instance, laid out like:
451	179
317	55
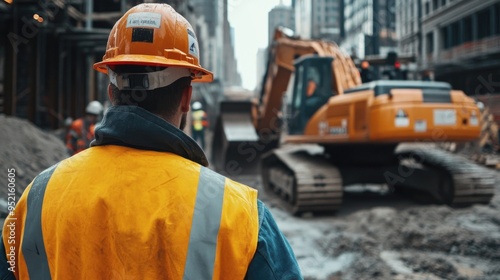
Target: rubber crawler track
302	182
470	183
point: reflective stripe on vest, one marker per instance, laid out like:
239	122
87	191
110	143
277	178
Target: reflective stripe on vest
33	247
205	226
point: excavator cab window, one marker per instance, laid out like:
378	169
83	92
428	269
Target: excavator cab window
312	88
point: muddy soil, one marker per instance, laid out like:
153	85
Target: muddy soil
385	236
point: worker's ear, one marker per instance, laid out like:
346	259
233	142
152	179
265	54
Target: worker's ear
109	92
186	99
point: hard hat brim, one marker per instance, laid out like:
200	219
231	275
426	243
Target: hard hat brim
149	60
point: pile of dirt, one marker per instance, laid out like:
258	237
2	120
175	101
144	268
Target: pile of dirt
27	150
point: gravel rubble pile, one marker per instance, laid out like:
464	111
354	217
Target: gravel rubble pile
28	150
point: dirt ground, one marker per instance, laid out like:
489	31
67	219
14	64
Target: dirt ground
377	236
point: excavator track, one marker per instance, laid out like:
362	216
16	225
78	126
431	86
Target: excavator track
302	182
466	183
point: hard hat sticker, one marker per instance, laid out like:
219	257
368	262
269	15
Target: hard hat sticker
144	19
193	43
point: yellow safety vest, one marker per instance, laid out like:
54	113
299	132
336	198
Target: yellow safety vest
114	212
199	118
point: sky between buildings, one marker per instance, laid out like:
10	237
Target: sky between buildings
249	20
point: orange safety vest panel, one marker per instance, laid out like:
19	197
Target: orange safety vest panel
114	212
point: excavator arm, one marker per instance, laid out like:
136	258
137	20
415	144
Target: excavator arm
284	50
237	152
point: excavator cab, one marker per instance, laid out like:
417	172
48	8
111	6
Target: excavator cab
312	87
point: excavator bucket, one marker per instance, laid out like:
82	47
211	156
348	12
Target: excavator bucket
235	147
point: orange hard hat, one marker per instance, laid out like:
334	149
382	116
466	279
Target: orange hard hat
153	34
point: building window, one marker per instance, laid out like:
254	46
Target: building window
467	29
430	42
456	34
497	14
435	4
446	41
483	24
443	3
427	8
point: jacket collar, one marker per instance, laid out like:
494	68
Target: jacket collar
135	127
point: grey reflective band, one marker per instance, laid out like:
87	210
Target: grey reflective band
33	247
205	226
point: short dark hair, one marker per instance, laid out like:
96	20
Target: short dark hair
161	101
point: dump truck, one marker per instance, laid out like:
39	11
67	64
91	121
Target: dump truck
315	129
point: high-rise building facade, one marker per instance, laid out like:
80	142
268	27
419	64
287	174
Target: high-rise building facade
461	45
369	27
319	19
220	46
303	18
408	26
326	20
280	15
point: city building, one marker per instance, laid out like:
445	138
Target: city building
369	27
303	18
280	15
461	45
409	36
319	19
461	42
261	67
408	26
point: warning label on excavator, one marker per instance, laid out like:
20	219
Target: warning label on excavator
420	126
401	119
473	119
338	130
445	117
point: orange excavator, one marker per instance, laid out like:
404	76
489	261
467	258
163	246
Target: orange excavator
315	129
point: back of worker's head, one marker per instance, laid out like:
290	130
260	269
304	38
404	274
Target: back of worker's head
162	101
152	51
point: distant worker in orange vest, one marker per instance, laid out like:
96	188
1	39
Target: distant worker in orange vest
199	123
81	131
314	99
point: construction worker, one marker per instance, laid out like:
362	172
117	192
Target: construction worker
141	203
314	99
199	123
365	73
81	130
